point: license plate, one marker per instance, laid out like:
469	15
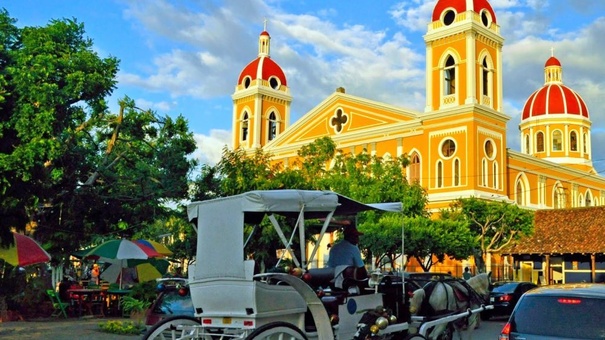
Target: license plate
491	299
227	321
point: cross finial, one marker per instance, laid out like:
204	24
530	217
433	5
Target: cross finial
265	24
552	51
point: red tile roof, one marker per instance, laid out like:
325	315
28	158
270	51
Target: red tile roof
565	231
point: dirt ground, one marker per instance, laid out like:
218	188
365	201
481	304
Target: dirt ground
59	329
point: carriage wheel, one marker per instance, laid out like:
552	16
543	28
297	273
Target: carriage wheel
277	331
167	329
448	332
414	337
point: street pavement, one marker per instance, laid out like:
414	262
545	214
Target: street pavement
59	329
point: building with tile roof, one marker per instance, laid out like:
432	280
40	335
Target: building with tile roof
458	144
568	245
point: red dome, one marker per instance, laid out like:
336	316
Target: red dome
554	98
461	6
552	61
263	68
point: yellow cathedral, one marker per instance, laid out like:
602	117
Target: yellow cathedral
457	146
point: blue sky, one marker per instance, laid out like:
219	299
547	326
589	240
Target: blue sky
184	57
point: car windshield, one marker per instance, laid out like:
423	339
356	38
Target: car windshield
172	303
505	288
563	317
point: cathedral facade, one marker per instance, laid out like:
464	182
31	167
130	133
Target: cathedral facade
458	144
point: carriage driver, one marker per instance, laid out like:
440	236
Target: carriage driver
346	252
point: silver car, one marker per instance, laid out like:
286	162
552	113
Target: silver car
570	311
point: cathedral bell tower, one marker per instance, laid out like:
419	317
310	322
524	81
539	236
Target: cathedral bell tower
463	116
463	56
261	101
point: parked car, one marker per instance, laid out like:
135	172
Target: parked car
504	297
171	300
569	311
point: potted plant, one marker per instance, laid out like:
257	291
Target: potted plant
135	308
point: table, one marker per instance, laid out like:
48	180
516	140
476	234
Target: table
88	298
114	297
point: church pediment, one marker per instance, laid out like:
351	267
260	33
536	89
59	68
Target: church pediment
342	114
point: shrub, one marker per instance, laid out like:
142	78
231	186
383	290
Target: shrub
122	327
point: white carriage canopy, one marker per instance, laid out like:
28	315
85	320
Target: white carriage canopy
220	223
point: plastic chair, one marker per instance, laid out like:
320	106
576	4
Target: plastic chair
58	305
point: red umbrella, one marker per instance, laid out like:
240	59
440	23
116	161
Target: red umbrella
23	252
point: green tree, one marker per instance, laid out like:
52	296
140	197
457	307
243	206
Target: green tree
52	83
494	224
66	163
427	239
135	167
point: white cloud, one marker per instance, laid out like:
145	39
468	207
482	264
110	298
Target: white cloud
414	15
210	148
319	54
162	106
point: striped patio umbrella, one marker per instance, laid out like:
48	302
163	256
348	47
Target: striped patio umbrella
24	251
146	270
121	251
160	248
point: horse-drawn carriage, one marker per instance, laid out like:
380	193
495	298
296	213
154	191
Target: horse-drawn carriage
231	302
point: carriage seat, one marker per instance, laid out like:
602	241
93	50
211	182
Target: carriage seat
341	277
321	277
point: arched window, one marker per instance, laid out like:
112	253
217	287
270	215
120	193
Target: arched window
527	150
484	172
495	175
272	128
584	142
573	141
519	192
439	174
450	76
557	140
415	169
245	122
588	200
559	197
456	172
540	142
485	84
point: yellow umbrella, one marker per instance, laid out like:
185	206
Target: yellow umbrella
160	248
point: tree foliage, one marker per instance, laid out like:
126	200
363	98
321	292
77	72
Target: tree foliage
51	83
428	239
69	168
495	224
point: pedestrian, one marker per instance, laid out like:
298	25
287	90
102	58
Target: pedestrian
94	274
467	273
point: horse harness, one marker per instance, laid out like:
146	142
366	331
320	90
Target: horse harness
457	286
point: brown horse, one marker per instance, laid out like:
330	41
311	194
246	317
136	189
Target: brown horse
451	296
